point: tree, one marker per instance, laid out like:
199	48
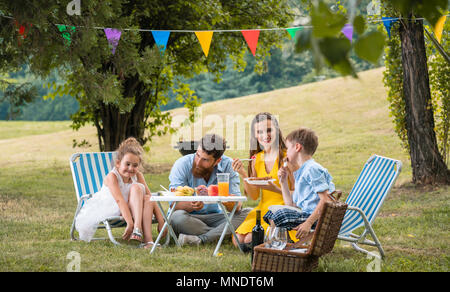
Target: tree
410	96
331	49
427	162
16	95
122	94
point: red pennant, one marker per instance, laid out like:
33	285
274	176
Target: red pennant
23	30
251	37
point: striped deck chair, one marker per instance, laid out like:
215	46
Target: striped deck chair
88	171
365	200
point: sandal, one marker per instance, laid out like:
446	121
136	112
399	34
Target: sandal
147	245
136	235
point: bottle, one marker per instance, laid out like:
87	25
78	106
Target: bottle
257	232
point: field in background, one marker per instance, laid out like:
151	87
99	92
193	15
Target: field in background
351	118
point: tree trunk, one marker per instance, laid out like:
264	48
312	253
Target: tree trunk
116	126
427	164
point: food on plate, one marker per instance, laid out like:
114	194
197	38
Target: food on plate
201	190
184	191
259	181
260	178
213	190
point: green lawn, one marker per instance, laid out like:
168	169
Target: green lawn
37	199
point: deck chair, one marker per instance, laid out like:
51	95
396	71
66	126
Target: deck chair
88	171
365	199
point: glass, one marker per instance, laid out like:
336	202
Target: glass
223	181
276	237
268	236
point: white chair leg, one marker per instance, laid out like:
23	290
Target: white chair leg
110	235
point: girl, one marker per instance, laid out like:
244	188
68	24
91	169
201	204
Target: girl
124	192
268	148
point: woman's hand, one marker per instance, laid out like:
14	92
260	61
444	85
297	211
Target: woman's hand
271	187
239	167
128	231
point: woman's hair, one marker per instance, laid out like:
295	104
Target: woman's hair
255	147
130	145
306	137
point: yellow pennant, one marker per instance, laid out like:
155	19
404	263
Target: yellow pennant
204	37
439	27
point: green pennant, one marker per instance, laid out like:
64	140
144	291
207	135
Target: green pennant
292	31
66	32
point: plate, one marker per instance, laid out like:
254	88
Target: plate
260	182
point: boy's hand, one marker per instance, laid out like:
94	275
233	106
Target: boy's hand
303	229
283	174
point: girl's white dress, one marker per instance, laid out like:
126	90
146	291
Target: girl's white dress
101	206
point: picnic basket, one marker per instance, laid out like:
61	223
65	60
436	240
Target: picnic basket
324	237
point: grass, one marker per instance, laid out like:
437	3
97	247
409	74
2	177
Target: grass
351	118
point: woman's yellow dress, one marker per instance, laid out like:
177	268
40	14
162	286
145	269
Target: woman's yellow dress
268	198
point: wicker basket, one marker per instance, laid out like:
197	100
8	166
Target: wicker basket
327	230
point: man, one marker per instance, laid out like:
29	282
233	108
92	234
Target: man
196	222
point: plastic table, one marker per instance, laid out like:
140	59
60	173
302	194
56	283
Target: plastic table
168	197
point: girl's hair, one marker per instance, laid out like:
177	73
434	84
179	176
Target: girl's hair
255	147
130	145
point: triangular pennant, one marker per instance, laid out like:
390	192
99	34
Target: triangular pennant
113	37
23	30
293	30
205	37
161	39
388	21
251	37
439	27
66	32
347	30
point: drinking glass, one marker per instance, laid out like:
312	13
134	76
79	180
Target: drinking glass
279	238
268	236
223	181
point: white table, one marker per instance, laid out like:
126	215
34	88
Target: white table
168	197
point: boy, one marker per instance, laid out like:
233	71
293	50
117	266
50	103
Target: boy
313	184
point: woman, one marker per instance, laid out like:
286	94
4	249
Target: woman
268	150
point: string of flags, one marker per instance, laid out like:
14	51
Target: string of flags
251	36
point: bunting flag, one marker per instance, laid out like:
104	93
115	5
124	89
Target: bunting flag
23	31
161	39
66	32
292	31
388	21
205	37
439	26
251	37
347	30
113	37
